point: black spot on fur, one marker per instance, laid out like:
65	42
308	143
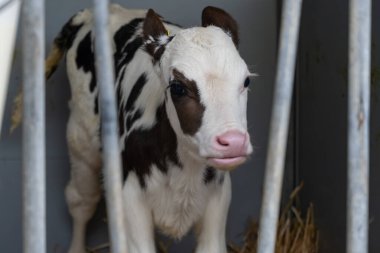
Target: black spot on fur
85	59
157	55
121	112
132	118
121	120
136	91
63	42
209	175
123	55
125	33
155	146
68	33
126	55
131	49
121	37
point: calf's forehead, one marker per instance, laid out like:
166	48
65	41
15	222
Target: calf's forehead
204	54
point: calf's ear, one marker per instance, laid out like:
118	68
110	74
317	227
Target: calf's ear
220	18
155	34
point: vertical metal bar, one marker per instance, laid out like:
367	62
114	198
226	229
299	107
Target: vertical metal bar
358	125
279	125
110	140
34	230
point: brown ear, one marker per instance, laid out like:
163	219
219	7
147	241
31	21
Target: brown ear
153	30
220	18
153	26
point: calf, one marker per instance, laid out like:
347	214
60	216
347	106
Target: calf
181	100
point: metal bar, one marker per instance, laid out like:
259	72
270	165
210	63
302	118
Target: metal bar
110	139
358	125
279	125
34	209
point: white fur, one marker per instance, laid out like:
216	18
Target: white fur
179	200
209	57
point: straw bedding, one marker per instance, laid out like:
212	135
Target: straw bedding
295	234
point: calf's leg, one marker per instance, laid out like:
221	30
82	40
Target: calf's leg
82	196
138	216
211	228
83	191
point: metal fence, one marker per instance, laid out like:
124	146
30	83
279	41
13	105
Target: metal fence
358	125
358	149
34	128
33	159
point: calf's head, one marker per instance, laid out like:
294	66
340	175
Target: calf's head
206	84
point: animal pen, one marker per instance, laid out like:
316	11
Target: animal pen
286	115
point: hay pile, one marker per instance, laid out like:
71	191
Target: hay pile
295	234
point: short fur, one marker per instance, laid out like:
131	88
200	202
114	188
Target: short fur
170	143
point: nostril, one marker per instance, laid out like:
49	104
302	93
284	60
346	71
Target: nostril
232	140
222	141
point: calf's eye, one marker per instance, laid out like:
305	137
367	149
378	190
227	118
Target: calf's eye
247	82
177	88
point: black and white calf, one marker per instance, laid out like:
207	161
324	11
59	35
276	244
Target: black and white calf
181	97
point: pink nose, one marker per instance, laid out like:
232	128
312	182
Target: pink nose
232	143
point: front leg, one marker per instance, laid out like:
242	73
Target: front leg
211	229
138	215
